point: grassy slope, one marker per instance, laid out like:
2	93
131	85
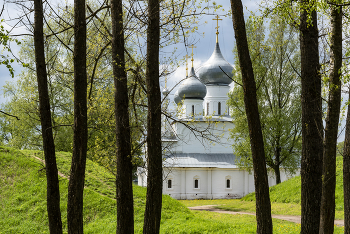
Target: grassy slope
23	206
285	198
289	191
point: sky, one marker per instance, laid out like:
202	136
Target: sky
204	45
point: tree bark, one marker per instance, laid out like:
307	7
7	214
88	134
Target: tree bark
263	205
154	149
77	171
125	209
53	191
346	173
277	164
332	121
312	129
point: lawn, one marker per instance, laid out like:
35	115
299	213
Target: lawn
23	205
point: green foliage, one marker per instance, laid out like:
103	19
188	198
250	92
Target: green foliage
290	191
275	63
5	40
23	199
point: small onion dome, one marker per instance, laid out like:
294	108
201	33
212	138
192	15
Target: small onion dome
177	98
192	88
210	72
165	92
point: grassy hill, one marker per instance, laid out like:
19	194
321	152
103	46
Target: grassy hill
290	190
23	204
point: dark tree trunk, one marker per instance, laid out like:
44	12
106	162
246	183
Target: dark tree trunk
277	174
312	129
332	121
263	205
277	164
77	171
53	191
125	209
346	173
154	149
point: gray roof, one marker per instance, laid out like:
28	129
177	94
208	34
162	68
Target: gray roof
211	73
191	88
200	160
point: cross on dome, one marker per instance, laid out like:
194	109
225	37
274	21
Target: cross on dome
217	18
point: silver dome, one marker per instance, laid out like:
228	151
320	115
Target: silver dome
177	99
210	72
192	88
165	92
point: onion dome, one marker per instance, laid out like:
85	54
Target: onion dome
165	92
192	88
211	73
177	98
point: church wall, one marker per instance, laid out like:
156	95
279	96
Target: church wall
219	185
212	182
215	94
189	143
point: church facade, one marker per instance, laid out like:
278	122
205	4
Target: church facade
198	160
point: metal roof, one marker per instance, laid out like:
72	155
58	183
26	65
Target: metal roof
200	160
212	73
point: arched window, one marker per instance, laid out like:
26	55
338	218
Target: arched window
170	184
219	108
207	108
193	110
196	182
228	182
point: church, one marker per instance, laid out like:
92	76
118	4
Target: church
198	160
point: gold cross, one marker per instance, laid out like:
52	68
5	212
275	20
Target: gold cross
217	27
186	66
192	46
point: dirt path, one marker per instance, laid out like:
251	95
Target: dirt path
290	218
43	161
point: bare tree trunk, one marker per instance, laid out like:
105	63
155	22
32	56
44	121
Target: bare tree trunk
277	164
53	190
154	148
346	173
332	121
263	205
125	209
312	129
77	171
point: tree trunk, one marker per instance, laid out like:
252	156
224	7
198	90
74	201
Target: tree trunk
77	171
154	149
346	173
263	205
277	174
332	121
125	209
53	191
312	129
277	164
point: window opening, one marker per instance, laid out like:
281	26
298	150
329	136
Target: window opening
228	183
169	184
219	108
196	183
207	108
193	110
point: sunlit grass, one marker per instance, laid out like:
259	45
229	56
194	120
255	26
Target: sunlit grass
23	202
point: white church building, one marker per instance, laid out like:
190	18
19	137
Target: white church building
198	160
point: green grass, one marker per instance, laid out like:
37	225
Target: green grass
23	202
285	198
